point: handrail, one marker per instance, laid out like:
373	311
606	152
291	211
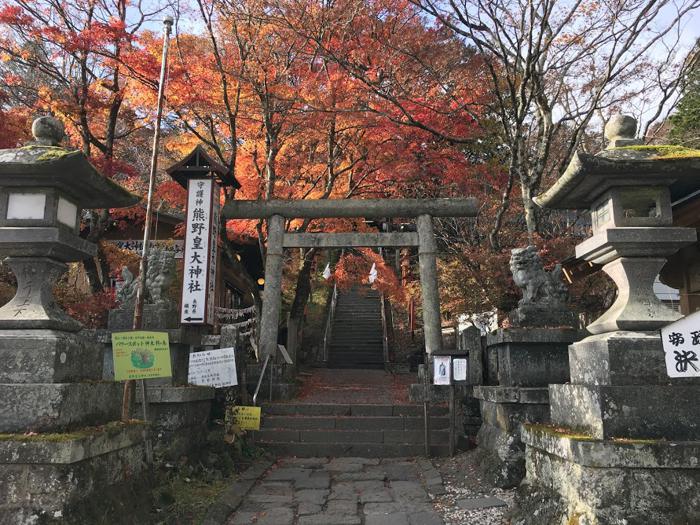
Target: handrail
260	380
329	322
385	330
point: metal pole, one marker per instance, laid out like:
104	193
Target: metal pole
272	375
452	419
138	307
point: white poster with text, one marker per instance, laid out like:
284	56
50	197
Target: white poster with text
215	368
459	369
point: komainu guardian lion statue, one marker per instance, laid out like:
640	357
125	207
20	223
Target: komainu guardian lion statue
544	293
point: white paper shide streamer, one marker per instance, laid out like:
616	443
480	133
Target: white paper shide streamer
373	274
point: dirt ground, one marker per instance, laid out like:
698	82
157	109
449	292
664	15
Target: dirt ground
462	480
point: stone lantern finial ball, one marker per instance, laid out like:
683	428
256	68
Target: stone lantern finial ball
48	131
621	127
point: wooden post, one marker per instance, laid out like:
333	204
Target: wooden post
426	405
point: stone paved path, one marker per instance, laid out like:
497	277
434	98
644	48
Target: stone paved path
343	491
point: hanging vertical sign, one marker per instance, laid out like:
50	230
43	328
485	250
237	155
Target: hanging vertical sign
199	272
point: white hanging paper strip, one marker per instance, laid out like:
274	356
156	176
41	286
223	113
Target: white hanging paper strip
373	274
327	272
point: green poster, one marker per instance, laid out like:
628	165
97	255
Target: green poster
140	355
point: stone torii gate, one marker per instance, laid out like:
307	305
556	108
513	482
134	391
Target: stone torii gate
277	211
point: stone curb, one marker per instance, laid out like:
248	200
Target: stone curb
233	495
432	479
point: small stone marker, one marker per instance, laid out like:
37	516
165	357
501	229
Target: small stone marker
480	503
681	342
285	354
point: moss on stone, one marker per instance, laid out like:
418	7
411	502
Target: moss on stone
574	520
664	151
49	152
53	154
110	428
560	432
632	441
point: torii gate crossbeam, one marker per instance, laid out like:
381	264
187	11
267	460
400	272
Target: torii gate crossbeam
276	211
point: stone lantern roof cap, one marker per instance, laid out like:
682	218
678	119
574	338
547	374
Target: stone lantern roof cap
45	164
589	176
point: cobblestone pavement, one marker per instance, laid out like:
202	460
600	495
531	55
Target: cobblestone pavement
343	491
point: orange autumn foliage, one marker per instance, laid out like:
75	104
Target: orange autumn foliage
354	267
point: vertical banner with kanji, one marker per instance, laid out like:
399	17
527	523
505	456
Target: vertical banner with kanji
199	272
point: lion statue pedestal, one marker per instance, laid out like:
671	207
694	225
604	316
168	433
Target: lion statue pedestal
523	359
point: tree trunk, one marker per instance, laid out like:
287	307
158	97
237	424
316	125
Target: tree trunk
93	275
301	297
529	208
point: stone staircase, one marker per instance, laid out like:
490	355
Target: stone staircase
351	430
356	334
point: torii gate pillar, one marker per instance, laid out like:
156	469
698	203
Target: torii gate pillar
427	264
272	299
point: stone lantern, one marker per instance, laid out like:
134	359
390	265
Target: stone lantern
50	375
628	192
43	189
622	430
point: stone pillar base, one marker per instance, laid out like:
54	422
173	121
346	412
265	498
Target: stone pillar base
51	475
503	410
179	416
576	479
531	357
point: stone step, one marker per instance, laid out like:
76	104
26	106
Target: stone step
357	350
380	423
361	334
350	320
368	336
334	409
345	365
374	360
360	306
366	450
373	343
351	328
353	325
401	437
